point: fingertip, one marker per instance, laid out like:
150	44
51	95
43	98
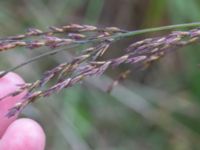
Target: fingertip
8	84
12	78
23	134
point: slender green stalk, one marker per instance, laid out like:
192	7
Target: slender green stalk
156	29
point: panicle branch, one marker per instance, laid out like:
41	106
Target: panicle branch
57	36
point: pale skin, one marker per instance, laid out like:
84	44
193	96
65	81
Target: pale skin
17	134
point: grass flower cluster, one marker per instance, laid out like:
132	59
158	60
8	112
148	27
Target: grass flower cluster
90	62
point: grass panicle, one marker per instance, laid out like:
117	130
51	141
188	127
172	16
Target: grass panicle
89	62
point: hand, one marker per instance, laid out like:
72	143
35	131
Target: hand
17	134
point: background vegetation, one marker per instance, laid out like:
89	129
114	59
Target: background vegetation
154	109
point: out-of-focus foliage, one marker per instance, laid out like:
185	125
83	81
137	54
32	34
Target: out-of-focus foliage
155	109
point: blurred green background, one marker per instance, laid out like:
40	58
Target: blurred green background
154	109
